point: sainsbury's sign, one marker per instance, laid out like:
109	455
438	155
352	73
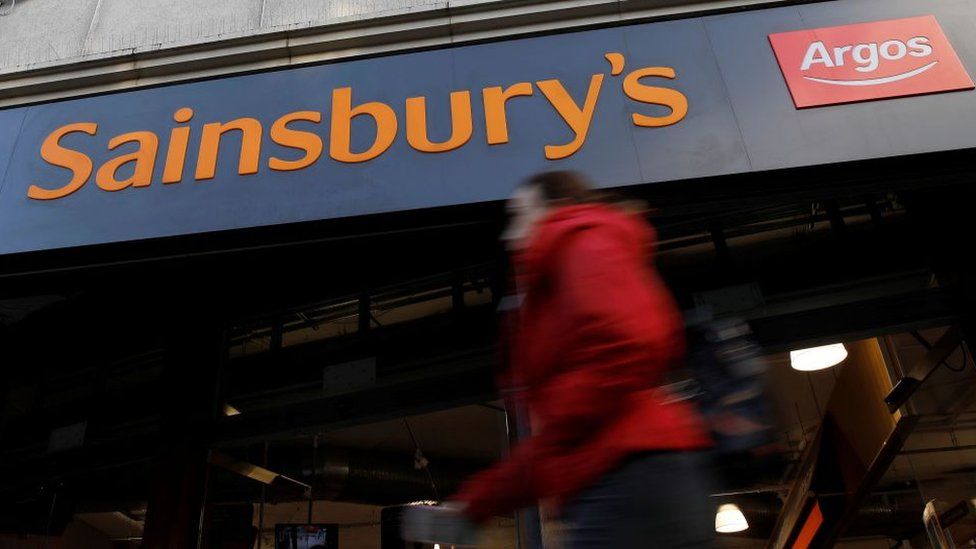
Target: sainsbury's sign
296	131
868	61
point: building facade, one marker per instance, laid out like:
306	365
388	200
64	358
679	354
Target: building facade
249	265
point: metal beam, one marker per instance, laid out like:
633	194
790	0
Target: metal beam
854	446
259	474
854	320
924	368
470	385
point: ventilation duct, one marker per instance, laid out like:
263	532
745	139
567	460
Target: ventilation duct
362	476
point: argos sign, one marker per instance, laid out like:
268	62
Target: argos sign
868	61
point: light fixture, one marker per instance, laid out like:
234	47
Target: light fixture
231	411
729	519
818	358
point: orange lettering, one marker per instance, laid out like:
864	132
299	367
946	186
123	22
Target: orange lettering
653	95
210	146
144	158
496	118
617	62
578	119
176	153
304	141
341	134
79	163
461	123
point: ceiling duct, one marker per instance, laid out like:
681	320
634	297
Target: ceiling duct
369	477
385	478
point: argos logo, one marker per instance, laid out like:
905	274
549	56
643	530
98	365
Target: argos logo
867	57
868	61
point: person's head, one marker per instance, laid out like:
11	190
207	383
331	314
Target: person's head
542	193
537	196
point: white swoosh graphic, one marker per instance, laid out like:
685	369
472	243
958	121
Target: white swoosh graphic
875	81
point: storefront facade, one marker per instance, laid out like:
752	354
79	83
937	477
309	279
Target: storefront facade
808	161
627	105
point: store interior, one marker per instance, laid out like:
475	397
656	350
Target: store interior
361	381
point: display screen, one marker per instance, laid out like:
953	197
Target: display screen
306	536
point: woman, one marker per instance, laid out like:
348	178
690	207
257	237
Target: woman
595	333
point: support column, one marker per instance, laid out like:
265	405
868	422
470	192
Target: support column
190	403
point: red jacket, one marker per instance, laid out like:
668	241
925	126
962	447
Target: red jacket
596	331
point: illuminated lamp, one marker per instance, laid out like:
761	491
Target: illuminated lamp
818	358
729	519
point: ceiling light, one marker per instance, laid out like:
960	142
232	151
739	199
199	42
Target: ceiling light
231	411
818	358
729	519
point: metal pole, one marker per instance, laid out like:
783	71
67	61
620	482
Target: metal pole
50	518
264	499
315	452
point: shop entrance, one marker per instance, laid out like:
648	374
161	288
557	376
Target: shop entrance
305	389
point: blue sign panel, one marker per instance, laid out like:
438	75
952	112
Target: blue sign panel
626	105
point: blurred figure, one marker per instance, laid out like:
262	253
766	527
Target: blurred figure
620	458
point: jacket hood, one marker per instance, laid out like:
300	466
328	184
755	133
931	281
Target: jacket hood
553	230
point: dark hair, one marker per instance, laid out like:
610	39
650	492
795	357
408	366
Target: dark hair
566	187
